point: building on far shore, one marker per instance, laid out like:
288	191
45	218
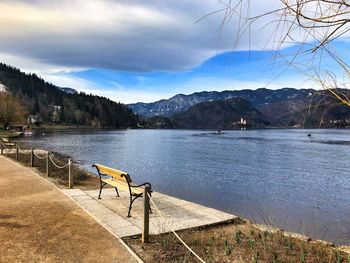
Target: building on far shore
56	114
32	119
240	123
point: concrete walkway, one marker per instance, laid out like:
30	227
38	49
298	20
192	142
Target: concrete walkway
38	223
111	211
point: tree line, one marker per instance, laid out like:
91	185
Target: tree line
41	98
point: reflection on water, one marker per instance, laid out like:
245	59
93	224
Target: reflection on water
332	142
280	177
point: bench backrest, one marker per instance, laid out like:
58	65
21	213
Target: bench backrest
5	140
116	174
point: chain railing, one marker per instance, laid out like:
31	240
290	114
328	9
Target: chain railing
56	165
22	151
6	148
148	198
37	156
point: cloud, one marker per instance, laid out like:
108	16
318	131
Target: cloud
122	35
115	91
227	71
33	66
141	50
120	93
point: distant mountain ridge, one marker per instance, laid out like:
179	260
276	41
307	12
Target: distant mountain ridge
273	108
180	102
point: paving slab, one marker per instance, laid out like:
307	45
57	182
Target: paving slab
177	214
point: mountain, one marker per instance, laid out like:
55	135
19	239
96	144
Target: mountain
286	112
54	105
323	110
69	90
180	102
219	114
278	108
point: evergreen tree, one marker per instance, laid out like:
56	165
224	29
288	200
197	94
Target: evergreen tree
40	97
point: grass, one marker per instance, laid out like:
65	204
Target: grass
239	241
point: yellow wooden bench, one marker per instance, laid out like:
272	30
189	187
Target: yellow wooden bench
120	180
7	142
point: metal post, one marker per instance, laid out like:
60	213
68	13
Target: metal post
16	152
2	147
47	164
70	175
145	226
32	157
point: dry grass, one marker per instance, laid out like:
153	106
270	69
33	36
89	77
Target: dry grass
81	178
236	242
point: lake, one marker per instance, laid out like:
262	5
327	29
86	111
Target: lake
278	177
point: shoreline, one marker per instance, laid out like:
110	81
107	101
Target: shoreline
334	235
273	233
51	127
84	179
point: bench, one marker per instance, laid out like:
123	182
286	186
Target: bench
5	142
120	180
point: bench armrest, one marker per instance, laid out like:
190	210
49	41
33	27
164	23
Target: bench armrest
144	184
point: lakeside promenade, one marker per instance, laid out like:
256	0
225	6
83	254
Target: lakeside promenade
38	223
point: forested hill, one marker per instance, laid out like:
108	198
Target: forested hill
40	98
219	114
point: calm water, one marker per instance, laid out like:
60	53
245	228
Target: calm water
279	177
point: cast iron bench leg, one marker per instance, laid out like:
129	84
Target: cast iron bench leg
131	201
102	185
117	191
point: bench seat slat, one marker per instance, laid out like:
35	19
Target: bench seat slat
123	186
116	174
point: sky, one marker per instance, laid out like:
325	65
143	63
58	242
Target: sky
147	50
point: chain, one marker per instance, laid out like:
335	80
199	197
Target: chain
21	151
59	167
178	237
41	158
3	144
